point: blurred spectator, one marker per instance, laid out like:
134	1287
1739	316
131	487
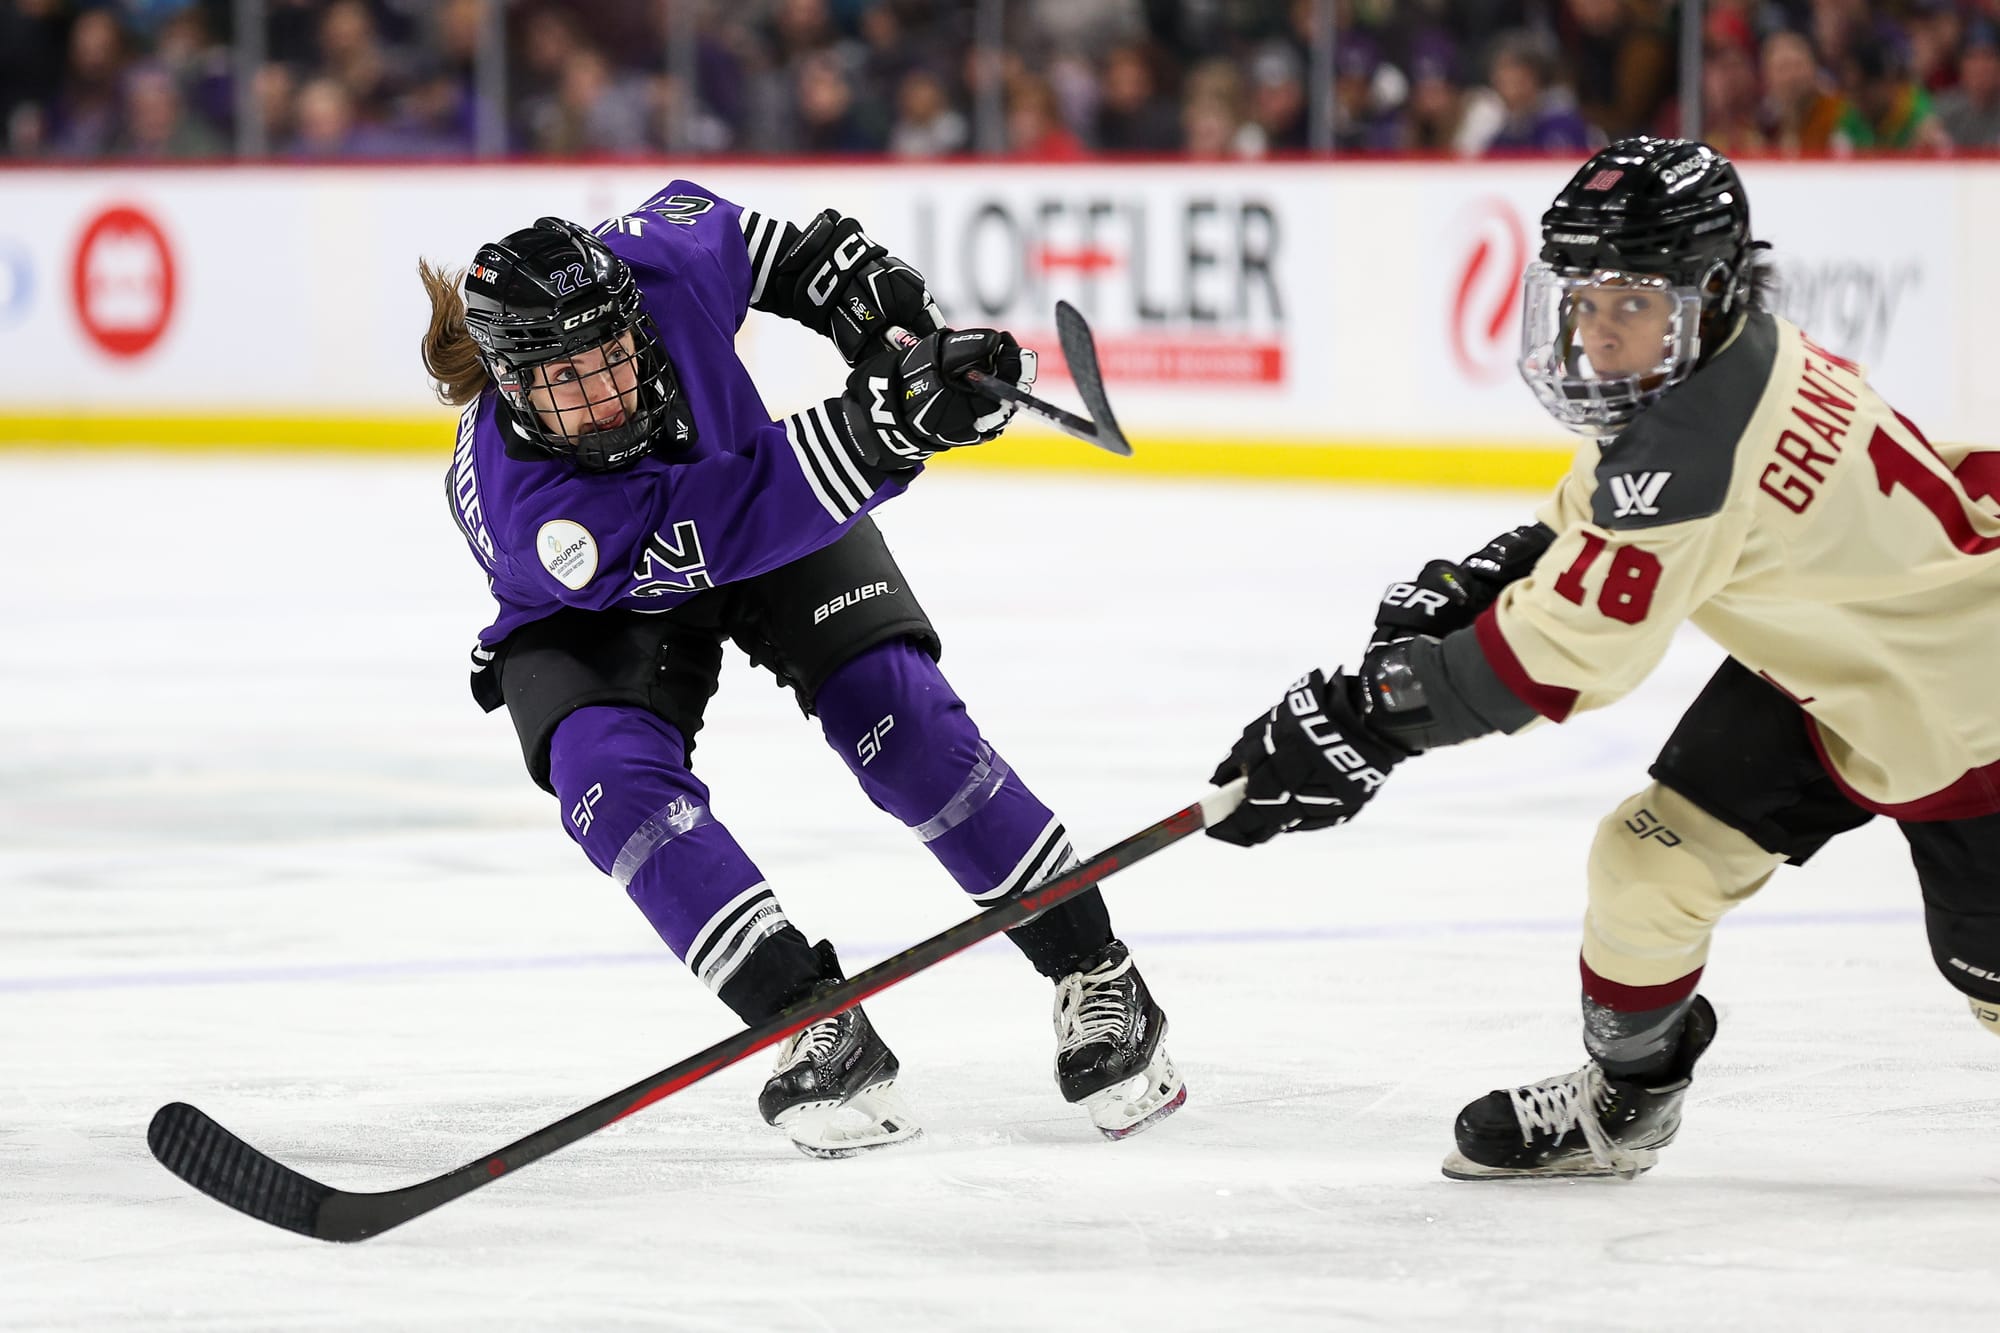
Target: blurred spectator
438	114
1278	97
595	110
1074	81
1936	32
1730	112
927	125
86	111
1367	95
1212	78
1524	108
156	125
324	114
1436	109
1034	129
277	99
1970	113
1800	115
1887	108
1134	117
1088	27
1621	62
351	51
830	120
201	66
31	73
1837	27
1214	121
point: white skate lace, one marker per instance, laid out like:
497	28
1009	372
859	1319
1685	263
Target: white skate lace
1088	1007
1556	1105
810	1044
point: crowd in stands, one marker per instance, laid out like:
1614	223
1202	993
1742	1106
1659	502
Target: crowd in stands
1209	79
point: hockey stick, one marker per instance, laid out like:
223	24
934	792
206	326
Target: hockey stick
230	1171
1080	353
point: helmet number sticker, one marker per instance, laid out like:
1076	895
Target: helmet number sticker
569	279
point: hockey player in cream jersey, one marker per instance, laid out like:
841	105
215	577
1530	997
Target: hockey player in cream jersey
1737	475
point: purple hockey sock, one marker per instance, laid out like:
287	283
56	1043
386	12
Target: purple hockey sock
918	755
630	801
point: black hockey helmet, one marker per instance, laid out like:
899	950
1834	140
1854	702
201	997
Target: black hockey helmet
550	307
1666	221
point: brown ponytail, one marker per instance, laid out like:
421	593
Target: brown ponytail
450	355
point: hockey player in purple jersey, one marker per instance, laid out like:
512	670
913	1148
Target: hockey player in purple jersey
633	505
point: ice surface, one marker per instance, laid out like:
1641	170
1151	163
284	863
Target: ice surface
259	851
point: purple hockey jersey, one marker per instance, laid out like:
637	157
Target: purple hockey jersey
751	494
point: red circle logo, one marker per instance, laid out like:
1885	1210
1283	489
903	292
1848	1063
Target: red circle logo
123	280
1486	299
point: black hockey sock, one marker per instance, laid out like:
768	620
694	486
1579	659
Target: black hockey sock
1062	937
1634	1046
779	972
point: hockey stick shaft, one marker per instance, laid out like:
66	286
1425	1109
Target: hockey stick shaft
1080	355
219	1164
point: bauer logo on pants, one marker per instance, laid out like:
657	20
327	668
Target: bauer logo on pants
567	551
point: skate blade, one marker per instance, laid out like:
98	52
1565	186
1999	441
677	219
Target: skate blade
873	1118
1140	1102
1457	1166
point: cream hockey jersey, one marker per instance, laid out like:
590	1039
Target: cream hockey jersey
1778	503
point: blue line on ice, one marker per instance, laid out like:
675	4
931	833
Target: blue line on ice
291	973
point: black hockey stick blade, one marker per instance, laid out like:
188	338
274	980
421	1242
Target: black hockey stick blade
205	1155
1080	353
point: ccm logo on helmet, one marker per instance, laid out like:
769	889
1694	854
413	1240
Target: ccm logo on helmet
588	315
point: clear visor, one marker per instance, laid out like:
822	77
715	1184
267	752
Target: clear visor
1597	347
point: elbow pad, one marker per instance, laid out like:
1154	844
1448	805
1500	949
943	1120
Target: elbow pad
1423	693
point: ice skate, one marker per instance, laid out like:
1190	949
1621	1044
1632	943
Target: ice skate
1580	1124
1110	1046
833	1089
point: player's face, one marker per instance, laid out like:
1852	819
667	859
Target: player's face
590	391
1623	330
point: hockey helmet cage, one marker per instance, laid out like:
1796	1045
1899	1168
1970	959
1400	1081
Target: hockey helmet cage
549	306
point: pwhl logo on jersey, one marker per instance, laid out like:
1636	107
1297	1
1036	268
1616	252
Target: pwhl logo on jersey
123	281
1185	288
1638	494
1485	291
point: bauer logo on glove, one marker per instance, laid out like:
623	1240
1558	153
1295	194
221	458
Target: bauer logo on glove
1311	763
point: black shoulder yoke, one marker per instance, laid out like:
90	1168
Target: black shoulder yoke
1674	462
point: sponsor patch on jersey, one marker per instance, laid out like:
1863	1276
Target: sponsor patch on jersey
568	552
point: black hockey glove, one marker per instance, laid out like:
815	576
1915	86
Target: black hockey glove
913	403
837	282
1448	597
1312	763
